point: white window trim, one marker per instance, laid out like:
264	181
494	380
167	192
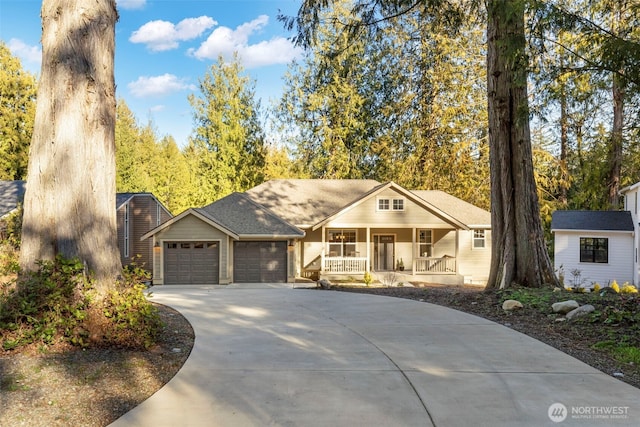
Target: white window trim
342	244
126	230
430	230
390	201
474	238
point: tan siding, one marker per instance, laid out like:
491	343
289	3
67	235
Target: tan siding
366	213
192	228
473	263
311	249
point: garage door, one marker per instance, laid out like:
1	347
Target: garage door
189	263
260	262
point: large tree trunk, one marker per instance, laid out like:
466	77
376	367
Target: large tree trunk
519	254
69	206
615	147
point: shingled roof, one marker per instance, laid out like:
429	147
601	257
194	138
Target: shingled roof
468	214
592	220
305	202
11	193
239	214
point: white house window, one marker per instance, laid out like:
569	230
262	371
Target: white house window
425	243
158	214
479	239
126	230
593	249
386	204
342	243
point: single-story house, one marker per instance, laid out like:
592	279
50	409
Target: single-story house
137	213
315	228
594	247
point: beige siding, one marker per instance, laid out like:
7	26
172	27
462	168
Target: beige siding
474	263
366	213
191	228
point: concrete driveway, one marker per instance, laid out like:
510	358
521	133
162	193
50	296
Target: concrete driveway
295	357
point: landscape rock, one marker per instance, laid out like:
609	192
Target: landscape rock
580	311
511	305
324	284
563	307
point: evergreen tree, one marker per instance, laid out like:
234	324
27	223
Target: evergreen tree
226	152
17	112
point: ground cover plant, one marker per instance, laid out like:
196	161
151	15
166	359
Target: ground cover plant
68	357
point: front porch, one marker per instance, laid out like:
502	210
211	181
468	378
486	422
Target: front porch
358	265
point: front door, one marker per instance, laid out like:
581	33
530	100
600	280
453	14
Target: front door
383	252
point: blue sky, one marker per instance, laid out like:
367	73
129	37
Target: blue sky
163	47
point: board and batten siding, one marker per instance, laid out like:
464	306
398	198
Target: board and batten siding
191	228
474	263
567	259
145	213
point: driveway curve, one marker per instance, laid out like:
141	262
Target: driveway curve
296	357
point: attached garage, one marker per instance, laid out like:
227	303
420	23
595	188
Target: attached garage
190	263
260	262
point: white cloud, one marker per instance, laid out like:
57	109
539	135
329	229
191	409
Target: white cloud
131	4
158	107
225	41
29	55
162	85
164	35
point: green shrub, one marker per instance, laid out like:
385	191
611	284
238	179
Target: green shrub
58	303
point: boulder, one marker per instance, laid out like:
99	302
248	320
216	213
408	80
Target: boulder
511	305
580	311
324	284
563	307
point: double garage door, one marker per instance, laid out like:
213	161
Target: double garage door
191	263
196	263
260	262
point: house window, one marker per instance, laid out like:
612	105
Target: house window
390	204
342	243
126	230
425	243
479	239
594	249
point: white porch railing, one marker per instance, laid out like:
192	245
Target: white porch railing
345	264
445	265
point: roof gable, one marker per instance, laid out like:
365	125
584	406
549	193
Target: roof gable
305	202
445	216
195	212
592	221
124	198
11	193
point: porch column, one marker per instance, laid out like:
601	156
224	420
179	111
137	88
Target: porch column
322	251
367	265
413	250
457	247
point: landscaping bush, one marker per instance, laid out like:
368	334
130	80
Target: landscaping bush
58	304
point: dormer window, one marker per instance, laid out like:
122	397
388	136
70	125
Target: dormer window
390	204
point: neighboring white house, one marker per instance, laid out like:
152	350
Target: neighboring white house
595	247
630	195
